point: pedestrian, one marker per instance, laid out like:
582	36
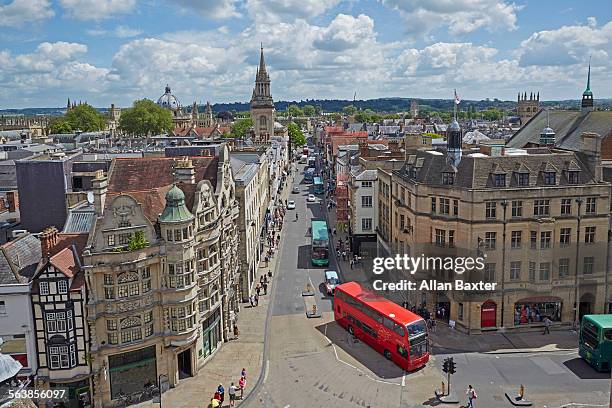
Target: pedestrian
252	300
471	396
344	255
232	395
261	279
265	288
257	289
257	299
242	384
434	324
270	274
243	373
236	332
546	325
265	278
221	392
335	231
352	261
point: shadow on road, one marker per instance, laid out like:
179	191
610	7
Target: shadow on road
303	258
583	370
361	352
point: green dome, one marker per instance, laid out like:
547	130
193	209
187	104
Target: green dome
175	210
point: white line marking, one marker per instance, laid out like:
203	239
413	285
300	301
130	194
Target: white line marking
404	379
267	368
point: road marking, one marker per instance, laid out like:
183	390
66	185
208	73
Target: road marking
267	369
404	379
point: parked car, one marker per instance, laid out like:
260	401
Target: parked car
291	205
311	198
331	281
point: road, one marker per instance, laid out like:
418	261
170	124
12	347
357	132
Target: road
314	363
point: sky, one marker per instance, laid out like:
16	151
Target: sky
117	51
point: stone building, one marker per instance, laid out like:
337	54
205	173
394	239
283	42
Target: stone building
252	175
180	118
538	216
262	105
162	271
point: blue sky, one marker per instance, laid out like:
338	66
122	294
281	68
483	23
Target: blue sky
116	51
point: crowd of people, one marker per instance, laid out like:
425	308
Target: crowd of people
219	396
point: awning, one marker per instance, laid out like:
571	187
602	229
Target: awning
8	367
540	299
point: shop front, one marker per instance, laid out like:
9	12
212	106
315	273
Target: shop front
211	333
534	309
79	394
130	372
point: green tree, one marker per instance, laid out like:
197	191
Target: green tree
309	110
59	125
241	128
82	117
296	135
294	110
145	118
349	110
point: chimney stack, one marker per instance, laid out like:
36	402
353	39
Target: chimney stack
48	240
99	185
591	148
184	171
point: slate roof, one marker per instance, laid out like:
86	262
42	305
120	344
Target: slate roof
475	172
568	126
20	256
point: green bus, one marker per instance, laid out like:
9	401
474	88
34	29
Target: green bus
319	248
595	343
318	185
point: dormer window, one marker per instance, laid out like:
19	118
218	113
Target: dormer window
522	179
499	180
572	177
448	178
550	178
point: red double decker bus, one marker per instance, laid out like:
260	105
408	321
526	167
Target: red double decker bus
397	333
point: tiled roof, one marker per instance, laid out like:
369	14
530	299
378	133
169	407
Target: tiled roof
66	240
65	262
153	201
568	126
142	174
21	256
475	172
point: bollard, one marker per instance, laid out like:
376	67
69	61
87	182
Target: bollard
443	388
521	392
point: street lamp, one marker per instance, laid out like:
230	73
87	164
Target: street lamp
159	385
504	205
576	281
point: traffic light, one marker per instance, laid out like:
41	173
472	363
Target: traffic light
445	365
452	368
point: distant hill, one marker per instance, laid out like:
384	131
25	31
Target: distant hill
388	105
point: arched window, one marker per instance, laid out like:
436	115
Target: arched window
263	121
131	329
127	285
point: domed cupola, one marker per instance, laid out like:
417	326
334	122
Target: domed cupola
453	143
175	210
547	135
169	101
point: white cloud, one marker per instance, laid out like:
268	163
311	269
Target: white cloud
97	9
460	16
50	71
21	12
119	32
287	10
213	9
568	45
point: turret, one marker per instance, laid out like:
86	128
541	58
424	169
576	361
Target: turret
453	143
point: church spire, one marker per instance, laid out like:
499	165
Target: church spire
587	95
262	62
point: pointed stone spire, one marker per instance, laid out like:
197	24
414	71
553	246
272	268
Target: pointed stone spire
538	97
588	88
262	62
68	106
519	96
587	95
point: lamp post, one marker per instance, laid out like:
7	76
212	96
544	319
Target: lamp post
576	281
504	205
159	385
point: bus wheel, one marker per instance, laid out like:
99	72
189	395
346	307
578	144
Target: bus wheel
351	330
387	354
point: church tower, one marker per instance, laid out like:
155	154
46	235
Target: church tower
587	95
262	105
527	108
209	119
